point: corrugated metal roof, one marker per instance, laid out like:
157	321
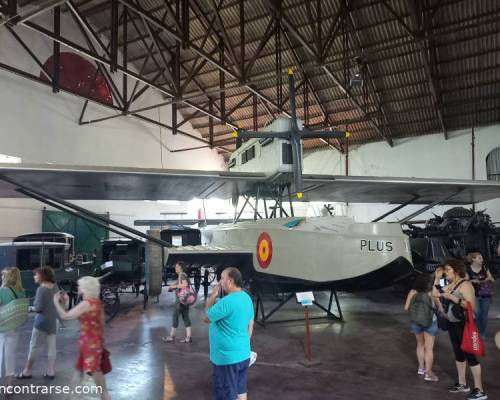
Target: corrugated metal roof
394	45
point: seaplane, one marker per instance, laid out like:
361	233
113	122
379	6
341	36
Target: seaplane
277	252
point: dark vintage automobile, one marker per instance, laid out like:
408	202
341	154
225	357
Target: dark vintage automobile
55	249
29	255
124	267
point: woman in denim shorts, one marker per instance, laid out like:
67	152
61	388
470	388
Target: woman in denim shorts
425	335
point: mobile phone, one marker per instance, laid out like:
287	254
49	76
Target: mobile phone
439	288
442	282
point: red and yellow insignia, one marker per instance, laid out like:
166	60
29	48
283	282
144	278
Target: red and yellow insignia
264	250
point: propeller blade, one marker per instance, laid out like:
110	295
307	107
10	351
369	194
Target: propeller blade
297	165
306	134
291	89
259	135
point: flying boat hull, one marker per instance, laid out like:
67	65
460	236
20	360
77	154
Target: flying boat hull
296	254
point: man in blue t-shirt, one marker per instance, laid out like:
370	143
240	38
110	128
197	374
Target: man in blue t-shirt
231	326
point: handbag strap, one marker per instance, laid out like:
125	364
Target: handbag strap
458	285
469	312
14	293
187	279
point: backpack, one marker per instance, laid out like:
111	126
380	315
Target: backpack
421	312
187	296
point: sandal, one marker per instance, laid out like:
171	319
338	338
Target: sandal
186	340
21	375
168	339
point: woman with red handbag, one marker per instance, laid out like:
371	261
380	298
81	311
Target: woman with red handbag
180	309
455	297
93	358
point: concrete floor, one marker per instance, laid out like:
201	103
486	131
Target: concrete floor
371	355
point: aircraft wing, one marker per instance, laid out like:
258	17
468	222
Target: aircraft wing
366	189
110	183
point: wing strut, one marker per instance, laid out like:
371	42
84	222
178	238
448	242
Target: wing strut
81	212
429	206
395	209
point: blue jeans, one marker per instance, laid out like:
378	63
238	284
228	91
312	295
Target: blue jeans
481	314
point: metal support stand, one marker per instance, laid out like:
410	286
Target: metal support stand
307	345
263	318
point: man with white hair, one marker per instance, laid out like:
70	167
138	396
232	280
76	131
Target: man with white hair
231	326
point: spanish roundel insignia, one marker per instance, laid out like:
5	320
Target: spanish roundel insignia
264	250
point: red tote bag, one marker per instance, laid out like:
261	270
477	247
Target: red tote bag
472	342
105	362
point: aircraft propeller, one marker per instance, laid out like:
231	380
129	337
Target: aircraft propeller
294	135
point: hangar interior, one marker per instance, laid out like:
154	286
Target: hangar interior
162	84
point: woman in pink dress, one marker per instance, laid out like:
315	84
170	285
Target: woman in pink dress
90	313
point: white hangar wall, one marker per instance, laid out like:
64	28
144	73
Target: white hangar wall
42	127
429	156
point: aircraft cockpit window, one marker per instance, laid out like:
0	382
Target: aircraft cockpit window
287	153
250	153
294	222
265	141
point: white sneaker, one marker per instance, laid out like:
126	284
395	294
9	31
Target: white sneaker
253	358
431	377
421	371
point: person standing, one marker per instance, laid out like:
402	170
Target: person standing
231	327
179	308
482	281
420	302
455	296
45	325
90	313
11	289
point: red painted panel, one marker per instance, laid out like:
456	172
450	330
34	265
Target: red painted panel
80	76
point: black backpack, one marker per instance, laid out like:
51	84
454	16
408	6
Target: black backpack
421	310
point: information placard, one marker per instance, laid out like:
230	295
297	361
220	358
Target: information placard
305	298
